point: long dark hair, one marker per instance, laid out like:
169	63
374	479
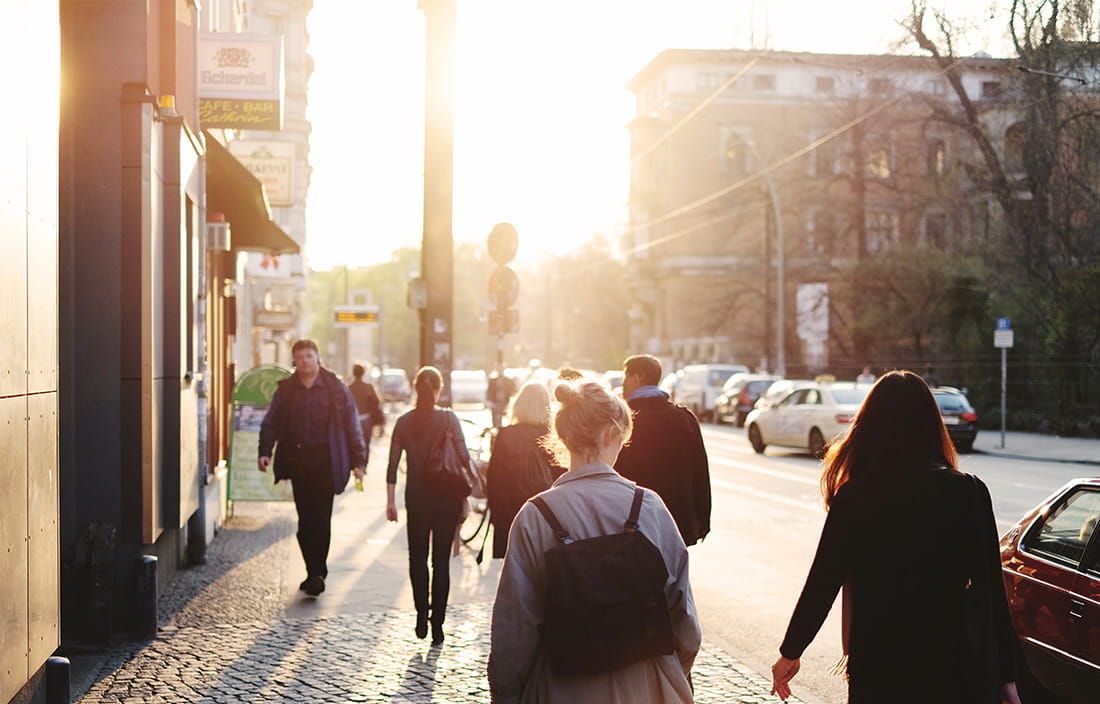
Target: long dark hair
898	429
427	382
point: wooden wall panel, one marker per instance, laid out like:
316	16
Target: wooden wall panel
13	545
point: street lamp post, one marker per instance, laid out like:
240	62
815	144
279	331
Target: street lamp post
780	264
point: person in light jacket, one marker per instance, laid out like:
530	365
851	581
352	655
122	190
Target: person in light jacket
591	498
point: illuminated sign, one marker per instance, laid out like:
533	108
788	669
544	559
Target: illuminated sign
240	81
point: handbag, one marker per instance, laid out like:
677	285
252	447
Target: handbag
447	473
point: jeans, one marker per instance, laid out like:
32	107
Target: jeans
424	525
313	495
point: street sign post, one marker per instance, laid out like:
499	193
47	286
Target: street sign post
1003	340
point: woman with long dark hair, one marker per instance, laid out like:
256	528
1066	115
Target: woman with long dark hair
433	515
913	543
521	465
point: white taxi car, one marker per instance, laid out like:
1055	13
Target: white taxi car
808	416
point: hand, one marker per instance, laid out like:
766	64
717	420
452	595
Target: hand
1009	693
782	672
358	472
263	463
391	513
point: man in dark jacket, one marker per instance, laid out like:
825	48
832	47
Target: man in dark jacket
666	452
315	424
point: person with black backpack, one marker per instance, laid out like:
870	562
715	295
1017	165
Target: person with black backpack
594	603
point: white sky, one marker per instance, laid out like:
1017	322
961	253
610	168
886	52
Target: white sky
541	109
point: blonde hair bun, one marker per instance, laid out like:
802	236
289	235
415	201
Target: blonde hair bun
565	393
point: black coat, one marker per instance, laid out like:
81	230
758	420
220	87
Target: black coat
519	468
907	548
666	454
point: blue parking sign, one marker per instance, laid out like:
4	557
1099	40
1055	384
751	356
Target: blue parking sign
1004	324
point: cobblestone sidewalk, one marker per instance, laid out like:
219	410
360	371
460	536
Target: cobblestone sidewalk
362	658
236	629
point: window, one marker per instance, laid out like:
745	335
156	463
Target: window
937	158
936	86
821	233
882	230
736	155
881	86
708	82
879	156
825	84
991	90
824	159
1064	533
764	82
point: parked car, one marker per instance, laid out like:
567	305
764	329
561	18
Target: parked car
808	417
395	386
777	390
1051	567
700	385
614	380
469	386
670	382
739	395
958	416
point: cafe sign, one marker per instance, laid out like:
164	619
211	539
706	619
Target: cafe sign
240	81
272	163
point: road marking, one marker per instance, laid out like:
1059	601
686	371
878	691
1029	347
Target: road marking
762	470
731	486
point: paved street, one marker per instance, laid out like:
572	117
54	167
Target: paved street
237	630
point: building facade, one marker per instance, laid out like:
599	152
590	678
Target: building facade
761	180
122	223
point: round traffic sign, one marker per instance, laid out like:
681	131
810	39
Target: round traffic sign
502	242
503	287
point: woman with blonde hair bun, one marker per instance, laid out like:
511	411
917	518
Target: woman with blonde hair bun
589	500
521	464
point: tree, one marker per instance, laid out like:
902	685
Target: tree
1043	174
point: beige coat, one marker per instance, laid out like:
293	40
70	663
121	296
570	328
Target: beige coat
589	501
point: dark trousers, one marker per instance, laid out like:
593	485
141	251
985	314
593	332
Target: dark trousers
313	496
430	524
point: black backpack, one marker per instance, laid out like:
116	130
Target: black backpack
605	599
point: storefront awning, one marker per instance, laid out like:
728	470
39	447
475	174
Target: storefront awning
232	190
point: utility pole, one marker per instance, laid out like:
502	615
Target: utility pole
437	248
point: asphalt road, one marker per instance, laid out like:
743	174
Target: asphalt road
766	520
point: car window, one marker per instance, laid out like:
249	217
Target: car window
1066	530
795	397
758	387
812	397
718	376
951	403
850	397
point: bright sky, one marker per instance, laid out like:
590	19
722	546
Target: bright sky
541	108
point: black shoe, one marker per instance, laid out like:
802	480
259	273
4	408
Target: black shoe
422	624
437	635
303	585
314	586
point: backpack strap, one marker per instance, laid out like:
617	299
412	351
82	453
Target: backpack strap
560	532
635	509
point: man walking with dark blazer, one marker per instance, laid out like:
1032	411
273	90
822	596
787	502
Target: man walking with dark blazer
314	424
666	452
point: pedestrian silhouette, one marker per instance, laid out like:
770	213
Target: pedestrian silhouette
313	426
914	544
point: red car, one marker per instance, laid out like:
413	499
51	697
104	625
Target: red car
1051	566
